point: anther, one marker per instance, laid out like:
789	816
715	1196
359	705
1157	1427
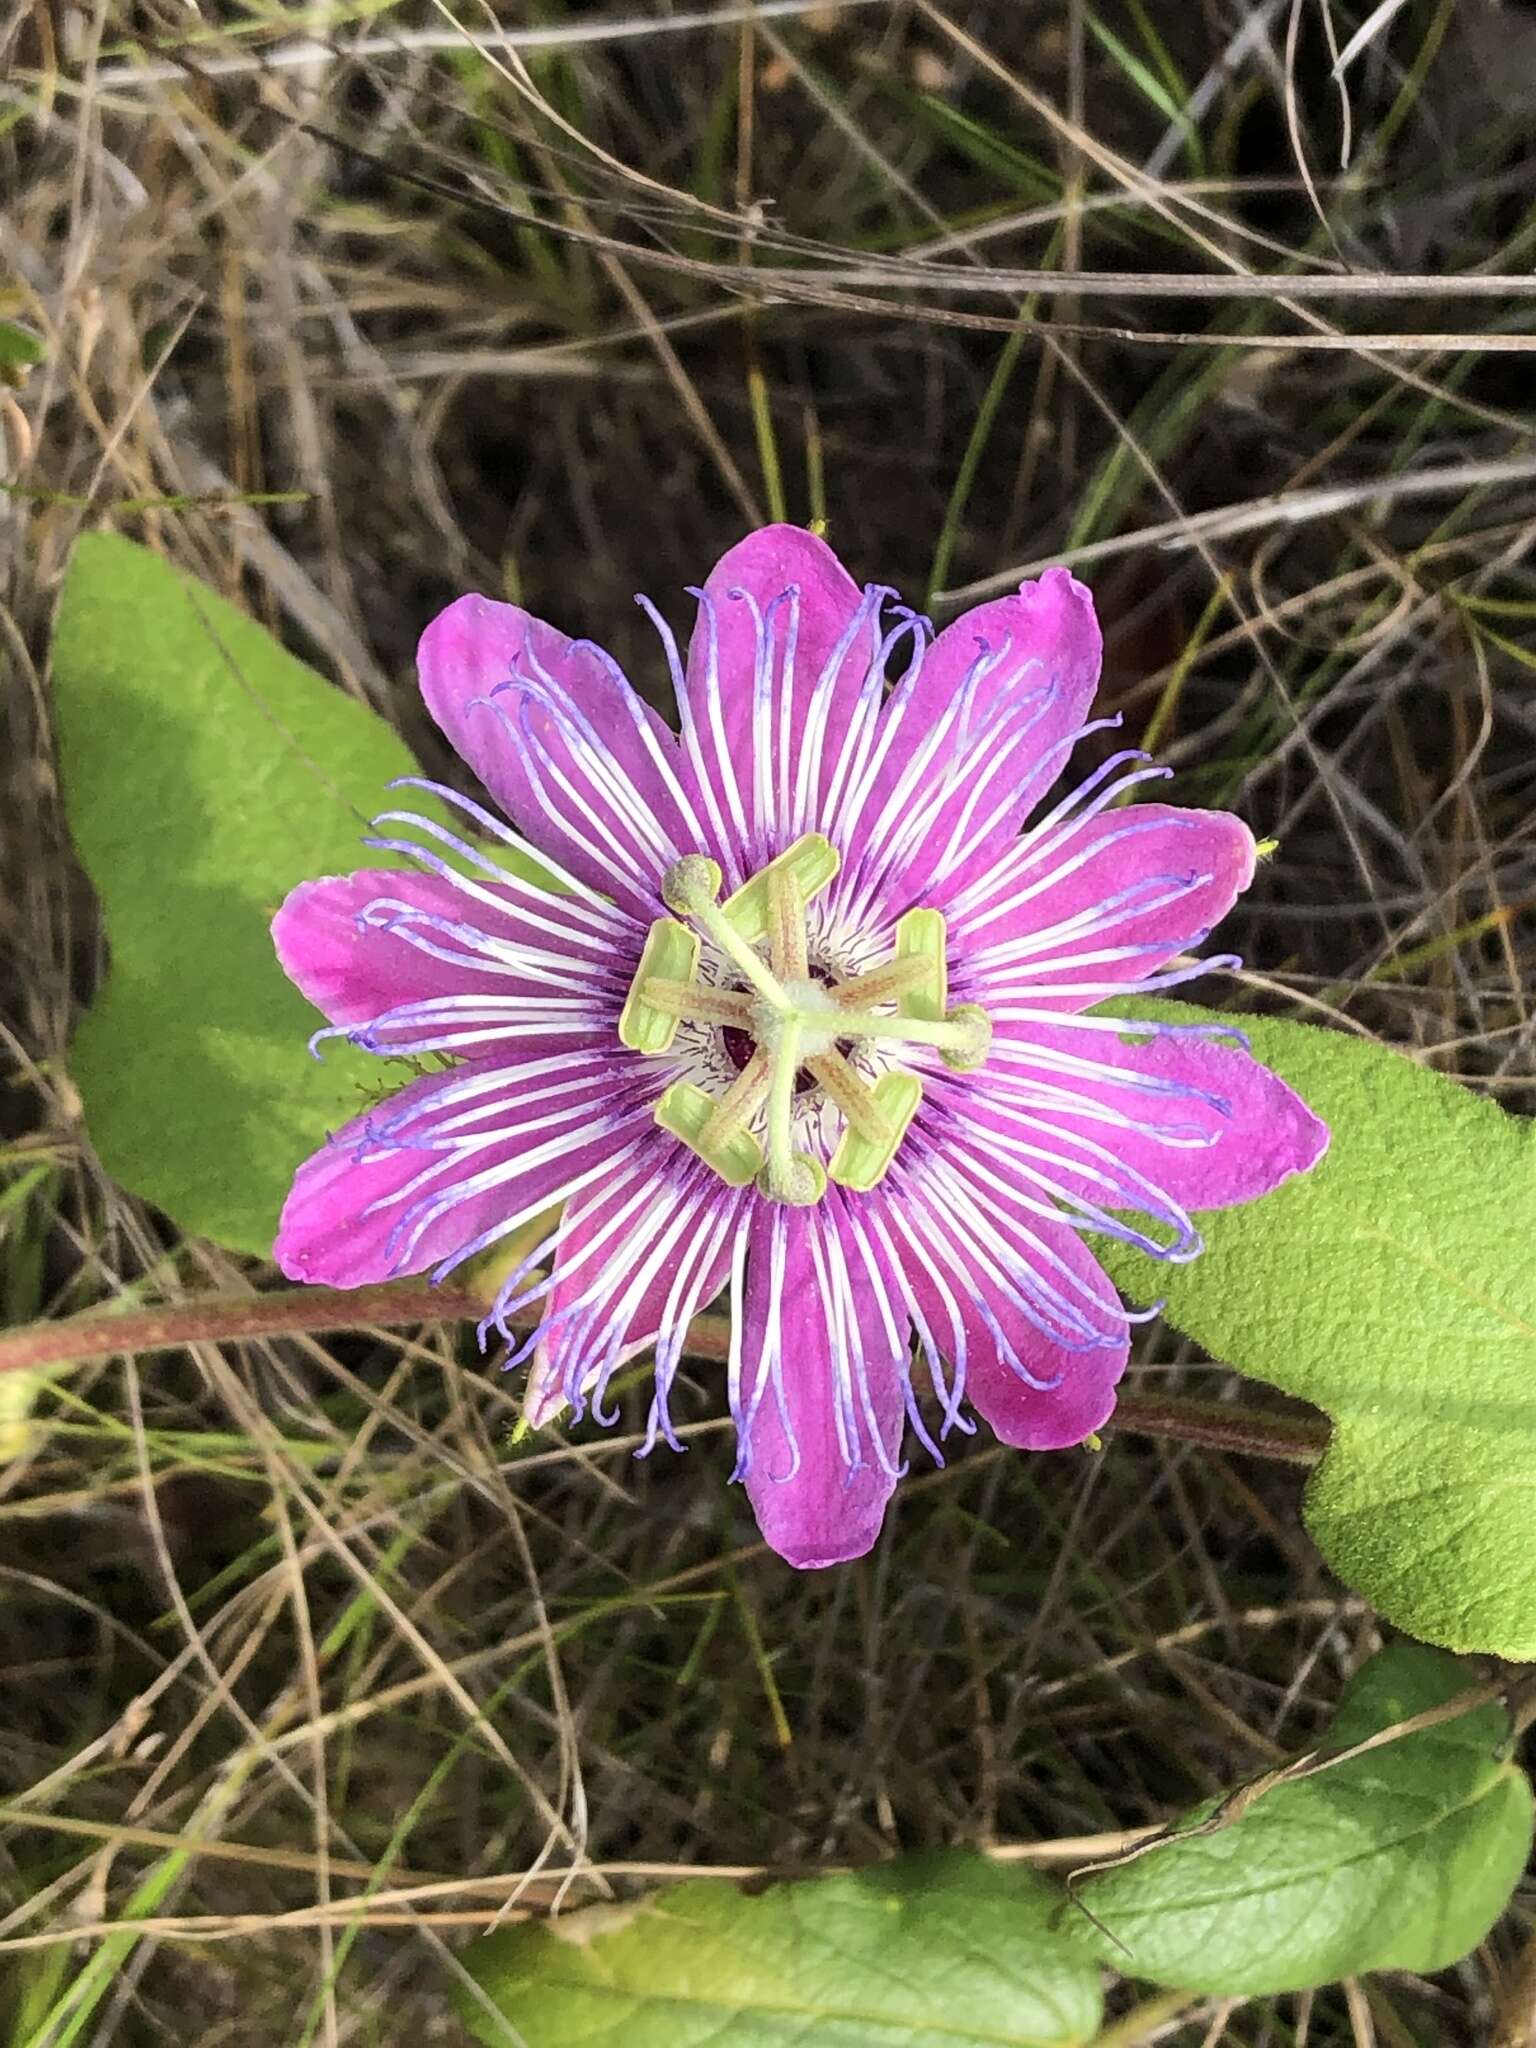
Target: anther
688	1113
811	863
669	958
920	936
863	1156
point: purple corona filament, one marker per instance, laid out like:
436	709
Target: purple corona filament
800	1008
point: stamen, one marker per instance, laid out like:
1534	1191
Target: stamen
812	862
669	957
853	1096
690	886
786	925
688	1113
862	1158
920	937
884	984
741	1100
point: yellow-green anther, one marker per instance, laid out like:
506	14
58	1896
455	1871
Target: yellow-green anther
813	860
920	936
670	955
688	1113
861	1162
967	1051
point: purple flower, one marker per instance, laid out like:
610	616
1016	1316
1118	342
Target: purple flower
796	1013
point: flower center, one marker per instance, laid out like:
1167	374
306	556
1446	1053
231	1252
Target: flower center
795	1024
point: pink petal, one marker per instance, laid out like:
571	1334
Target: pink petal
342	941
1076	1381
586	771
1083	1397
1145	883
813	1506
638	1257
970	757
352	1212
748	592
1209	1126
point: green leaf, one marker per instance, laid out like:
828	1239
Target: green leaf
946	1951
20	351
1399	1859
1394	1287
205	772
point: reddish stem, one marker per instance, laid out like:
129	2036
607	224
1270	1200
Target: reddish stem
221	1318
1297	1439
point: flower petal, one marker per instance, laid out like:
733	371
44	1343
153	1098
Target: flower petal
636	1260
1077	1394
1001	1289
977	739
783	647
454	1162
359	945
583	767
1080	912
822	1388
1206	1124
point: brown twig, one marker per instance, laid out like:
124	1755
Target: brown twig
311	1311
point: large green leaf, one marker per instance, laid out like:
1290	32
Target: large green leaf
1394	1287
1401	1858
931	1952
205	772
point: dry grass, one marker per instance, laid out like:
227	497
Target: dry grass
308	1670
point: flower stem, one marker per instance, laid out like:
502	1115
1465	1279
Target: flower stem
1291	1439
1295	1439
225	1318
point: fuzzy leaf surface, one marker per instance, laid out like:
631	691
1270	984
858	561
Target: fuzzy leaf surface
1395	1288
945	1951
206	770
